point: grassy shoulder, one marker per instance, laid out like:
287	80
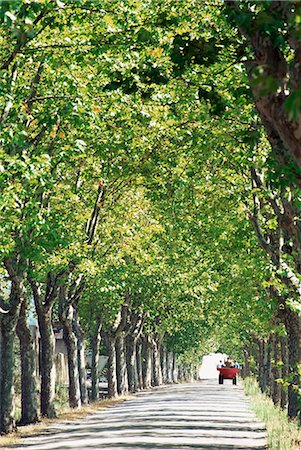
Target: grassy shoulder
66	414
282	433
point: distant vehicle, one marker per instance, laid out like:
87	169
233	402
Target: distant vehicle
227	373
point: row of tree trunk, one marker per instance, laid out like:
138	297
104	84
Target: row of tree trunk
273	366
136	360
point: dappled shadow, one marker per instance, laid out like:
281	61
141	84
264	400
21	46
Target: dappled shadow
200	415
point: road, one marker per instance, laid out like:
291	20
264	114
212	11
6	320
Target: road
201	415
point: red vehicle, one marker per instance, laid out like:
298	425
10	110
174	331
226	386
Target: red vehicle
228	373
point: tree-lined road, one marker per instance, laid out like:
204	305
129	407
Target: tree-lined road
201	415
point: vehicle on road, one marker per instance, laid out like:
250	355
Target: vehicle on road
227	373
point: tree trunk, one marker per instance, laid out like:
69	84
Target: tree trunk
95	344
175	369
81	358
47	363
180	376
72	353
268	365
7	375
66	316
29	408
8	324
261	364
131	357
276	388
246	366
292	324
163	364
121	366
284	370
157	372
139	363
110	341
169	367
147	362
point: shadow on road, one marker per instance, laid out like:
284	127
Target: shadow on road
201	415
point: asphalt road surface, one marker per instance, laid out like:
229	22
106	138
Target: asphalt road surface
201	415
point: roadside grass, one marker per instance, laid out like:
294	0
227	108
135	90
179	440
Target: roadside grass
282	433
64	414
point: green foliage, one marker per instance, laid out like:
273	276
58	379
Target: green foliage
152	101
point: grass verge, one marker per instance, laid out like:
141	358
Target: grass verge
71	414
282	434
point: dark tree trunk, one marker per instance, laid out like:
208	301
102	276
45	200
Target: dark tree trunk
8	324
29	408
95	344
7	375
131	357
175	369
180	373
284	370
147	362
121	366
110	342
72	353
292	324
44	308
261	364
81	360
276	388
139	364
268	365
47	365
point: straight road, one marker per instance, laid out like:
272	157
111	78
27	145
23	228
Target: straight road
201	415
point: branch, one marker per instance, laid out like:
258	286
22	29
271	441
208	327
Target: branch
92	223
22	41
9	104
257	228
293	279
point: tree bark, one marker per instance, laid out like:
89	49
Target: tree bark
147	362
81	358
261	364
169	361
110	341
66	316
44	308
72	353
7	404
131	357
8	322
276	387
29	408
270	58
121	366
292	324
47	365
268	365
139	364
284	370
175	369
157	371
179	373
95	344
163	364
